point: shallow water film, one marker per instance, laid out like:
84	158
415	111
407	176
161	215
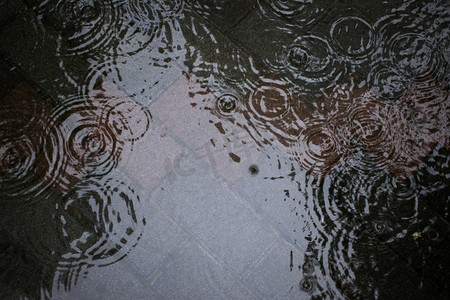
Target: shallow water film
254	149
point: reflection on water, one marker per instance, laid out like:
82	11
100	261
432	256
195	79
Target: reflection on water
60	212
358	110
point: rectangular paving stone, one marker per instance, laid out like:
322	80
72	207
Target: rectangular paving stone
154	157
273	198
278	274
116	281
161	240
222	223
227	148
194	274
144	76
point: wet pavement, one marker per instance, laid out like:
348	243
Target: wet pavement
254	149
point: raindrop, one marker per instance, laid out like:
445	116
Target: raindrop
310	60
379	226
111	222
320	147
402	197
387	82
79	144
22	165
411	53
270	101
253	169
302	12
227	104
289	8
353	37
128	120
85	26
308	284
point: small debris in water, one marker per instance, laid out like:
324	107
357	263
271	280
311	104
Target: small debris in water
291	265
417	235
253	169
234	157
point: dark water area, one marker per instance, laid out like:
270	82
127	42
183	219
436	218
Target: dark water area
224	149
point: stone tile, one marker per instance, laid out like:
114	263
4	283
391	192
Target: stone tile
278	274
222	223
154	157
146	75
222	14
112	282
227	148
161	240
194	274
276	195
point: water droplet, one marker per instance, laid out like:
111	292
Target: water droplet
79	143
320	147
353	37
112	224
270	101
308	284
387	82
227	104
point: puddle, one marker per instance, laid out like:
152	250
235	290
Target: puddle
299	149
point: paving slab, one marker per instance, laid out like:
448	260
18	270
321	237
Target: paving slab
220	221
277	275
161	240
113	282
193	274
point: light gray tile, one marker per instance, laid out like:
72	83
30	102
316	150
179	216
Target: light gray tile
195	275
222	223
162	237
112	282
278	275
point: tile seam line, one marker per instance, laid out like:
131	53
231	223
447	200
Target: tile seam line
193	241
265	220
243	17
228	39
261	257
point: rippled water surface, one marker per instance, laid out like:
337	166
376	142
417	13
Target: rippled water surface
236	149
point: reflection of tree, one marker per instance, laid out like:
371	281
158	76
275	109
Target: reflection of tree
369	231
30	247
58	215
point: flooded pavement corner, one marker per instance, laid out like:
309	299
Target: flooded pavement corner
224	149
